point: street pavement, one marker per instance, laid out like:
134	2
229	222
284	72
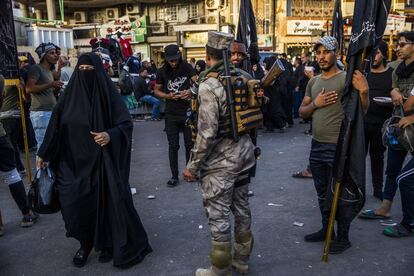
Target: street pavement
178	229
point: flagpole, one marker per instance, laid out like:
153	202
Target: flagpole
16	82
331	223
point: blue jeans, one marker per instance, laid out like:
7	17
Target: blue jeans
406	182
321	162
395	160
40	121
155	105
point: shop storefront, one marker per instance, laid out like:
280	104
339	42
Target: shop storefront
193	39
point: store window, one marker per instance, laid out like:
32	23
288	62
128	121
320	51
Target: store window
169	13
409	3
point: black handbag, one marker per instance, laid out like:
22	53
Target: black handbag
395	137
43	194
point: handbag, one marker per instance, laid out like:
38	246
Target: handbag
395	137
43	194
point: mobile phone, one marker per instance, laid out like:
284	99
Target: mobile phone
309	68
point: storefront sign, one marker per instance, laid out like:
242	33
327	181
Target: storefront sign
198	39
305	27
395	23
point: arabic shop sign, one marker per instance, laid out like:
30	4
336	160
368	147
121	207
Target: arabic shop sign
305	27
395	23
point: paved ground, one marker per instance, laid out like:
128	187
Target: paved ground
178	230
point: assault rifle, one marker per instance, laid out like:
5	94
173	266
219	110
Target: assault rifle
230	96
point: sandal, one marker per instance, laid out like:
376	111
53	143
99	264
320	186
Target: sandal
300	174
397	231
370	214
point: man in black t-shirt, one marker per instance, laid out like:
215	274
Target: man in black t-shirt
380	85
173	84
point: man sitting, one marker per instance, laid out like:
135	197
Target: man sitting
144	94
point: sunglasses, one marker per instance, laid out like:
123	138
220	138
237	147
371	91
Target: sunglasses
401	44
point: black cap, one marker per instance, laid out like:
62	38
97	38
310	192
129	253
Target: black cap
172	52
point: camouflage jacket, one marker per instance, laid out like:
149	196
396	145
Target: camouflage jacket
211	152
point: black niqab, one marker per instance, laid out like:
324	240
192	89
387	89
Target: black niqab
82	167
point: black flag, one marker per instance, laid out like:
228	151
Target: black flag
337	30
246	33
369	22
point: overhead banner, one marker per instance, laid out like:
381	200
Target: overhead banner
305	27
8	50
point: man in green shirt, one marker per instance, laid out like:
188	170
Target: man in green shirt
41	84
322	103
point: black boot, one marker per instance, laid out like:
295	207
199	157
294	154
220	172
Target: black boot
81	256
341	243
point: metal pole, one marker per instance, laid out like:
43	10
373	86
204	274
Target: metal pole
16	82
331	222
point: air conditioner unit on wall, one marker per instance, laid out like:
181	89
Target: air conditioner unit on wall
212	4
79	17
211	19
132	9
98	16
157	27
112	13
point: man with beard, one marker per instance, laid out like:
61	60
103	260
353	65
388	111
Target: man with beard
173	83
321	102
41	84
402	84
380	85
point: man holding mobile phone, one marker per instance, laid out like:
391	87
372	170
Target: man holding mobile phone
173	84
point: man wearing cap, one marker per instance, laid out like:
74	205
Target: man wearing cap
41	84
220	160
322	103
173	82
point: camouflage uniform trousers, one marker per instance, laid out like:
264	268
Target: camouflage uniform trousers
220	198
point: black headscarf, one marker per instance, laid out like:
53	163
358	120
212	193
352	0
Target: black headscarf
91	102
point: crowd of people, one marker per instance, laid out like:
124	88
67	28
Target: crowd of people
78	123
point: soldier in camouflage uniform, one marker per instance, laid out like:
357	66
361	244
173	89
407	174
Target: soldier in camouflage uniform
220	160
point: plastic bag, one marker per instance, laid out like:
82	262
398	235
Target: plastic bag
43	193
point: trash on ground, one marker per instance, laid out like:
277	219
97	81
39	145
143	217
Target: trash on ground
133	191
200	227
275	204
151	197
250	193
300	224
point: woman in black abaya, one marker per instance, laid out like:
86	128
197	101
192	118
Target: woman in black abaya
88	145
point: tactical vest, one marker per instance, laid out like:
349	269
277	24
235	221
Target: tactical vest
246	104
